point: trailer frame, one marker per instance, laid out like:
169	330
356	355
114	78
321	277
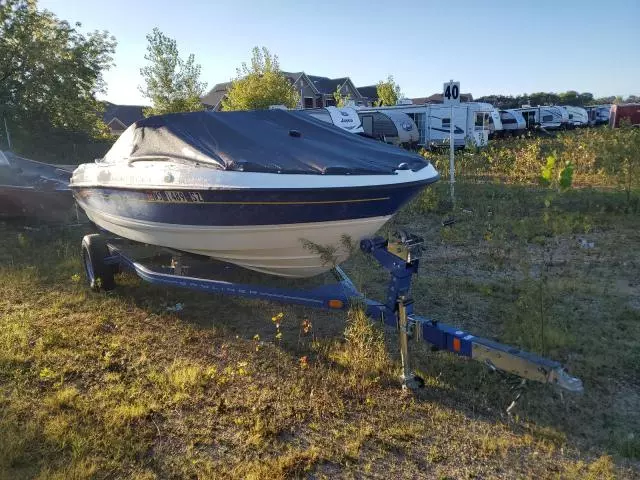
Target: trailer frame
102	255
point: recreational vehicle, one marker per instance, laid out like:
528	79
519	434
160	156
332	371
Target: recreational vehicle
546	117
493	120
471	122
578	116
390	126
621	114
343	117
513	123
598	114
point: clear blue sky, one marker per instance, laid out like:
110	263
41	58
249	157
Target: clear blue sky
502	46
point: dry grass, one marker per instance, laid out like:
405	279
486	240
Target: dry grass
115	386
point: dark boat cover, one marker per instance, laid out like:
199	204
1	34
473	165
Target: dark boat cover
274	141
33	189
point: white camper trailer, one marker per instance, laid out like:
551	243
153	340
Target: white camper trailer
471	122
390	126
513	123
493	120
343	117
578	116
598	114
547	117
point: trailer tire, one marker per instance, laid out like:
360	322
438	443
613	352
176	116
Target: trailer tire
99	274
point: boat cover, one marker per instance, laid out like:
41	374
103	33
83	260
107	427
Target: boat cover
274	141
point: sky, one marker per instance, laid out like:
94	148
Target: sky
506	47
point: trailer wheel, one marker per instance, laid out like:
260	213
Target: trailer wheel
99	274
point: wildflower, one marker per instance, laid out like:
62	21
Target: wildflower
306	325
304	363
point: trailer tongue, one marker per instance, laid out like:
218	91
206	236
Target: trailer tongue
401	258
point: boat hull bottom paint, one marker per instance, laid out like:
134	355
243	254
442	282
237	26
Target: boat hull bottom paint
290	250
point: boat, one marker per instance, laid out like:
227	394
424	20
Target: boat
33	189
274	191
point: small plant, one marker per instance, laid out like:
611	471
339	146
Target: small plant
364	351
277	319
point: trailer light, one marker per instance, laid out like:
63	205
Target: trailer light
335	303
456	344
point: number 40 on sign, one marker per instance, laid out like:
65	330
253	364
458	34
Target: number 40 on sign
451	92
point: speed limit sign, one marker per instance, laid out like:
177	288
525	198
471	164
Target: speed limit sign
451	92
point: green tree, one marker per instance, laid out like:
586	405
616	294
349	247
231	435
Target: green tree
172	84
260	84
388	92
570	97
49	76
341	100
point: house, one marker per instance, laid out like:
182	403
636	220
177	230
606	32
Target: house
119	117
314	91
370	92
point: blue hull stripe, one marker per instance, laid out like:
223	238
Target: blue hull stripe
249	207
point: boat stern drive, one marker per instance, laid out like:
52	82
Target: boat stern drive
274	191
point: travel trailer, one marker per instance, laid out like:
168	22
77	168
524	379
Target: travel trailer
471	122
513	123
546	117
343	117
390	126
494	122
598	114
578	116
621	114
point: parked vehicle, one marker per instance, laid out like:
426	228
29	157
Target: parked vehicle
493	120
578	116
513	123
598	114
545	117
343	117
471	122
625	114
268	190
34	189
390	126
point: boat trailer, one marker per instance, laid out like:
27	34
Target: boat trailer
102	256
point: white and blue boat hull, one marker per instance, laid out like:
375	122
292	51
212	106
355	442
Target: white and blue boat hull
273	223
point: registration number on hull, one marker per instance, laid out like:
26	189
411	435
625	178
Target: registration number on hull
174	197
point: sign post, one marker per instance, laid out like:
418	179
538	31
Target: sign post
451	97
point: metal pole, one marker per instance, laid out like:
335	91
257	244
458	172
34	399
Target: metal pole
452	174
407	376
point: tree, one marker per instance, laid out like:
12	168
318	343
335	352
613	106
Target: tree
585	98
388	92
570	97
49	76
259	85
172	84
341	100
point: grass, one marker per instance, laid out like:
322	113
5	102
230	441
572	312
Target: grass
117	386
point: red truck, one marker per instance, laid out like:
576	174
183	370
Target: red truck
625	114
